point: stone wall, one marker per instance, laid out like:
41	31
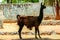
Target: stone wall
9	11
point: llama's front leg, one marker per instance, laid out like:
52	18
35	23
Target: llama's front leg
36	33
39	34
20	29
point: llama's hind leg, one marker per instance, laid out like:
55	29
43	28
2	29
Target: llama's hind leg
20	29
36	32
39	34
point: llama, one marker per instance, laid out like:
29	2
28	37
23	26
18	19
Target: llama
31	21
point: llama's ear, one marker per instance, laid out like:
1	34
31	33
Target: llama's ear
41	3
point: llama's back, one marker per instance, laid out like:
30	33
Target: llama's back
29	20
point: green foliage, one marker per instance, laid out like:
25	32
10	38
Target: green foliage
20	1
46	2
14	1
49	2
4	1
34	1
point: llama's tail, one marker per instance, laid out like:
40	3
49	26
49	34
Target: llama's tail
18	16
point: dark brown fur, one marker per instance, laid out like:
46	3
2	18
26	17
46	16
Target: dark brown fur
31	21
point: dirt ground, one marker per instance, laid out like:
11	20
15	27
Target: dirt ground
27	37
13	27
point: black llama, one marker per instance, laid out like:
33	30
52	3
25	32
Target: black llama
31	21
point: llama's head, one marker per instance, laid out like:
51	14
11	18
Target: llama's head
43	6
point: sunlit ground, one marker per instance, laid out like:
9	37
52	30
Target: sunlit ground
13	27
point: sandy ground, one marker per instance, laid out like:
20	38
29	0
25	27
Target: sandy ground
9	37
13	27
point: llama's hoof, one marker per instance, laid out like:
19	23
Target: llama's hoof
39	37
36	37
20	37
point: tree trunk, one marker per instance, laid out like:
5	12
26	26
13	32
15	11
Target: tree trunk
57	11
7	1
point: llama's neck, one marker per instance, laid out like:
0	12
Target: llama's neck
41	13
